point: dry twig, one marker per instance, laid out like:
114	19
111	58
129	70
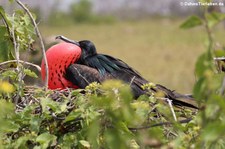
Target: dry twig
17	55
171	108
41	40
23	62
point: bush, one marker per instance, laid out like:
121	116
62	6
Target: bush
106	116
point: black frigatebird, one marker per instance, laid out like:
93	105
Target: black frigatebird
77	64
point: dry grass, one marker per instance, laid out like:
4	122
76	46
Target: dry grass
161	51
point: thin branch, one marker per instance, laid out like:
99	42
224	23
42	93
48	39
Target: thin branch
171	108
41	40
219	58
170	105
160	124
209	32
6	23
23	62
15	44
17	56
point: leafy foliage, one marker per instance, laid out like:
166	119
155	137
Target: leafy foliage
106	116
191	22
209	88
17	34
71	119
20	26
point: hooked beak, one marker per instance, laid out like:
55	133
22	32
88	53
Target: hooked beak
67	40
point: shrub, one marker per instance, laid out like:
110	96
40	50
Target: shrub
106	116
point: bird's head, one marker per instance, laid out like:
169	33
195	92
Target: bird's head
59	57
87	47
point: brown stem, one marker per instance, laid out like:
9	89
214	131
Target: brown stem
41	40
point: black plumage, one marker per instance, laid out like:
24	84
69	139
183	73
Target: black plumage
94	67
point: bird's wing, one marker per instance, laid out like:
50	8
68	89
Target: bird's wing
116	68
105	63
82	76
118	65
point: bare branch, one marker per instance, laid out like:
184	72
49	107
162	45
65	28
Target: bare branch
219	58
170	105
17	56
5	22
15	44
171	108
20	61
41	40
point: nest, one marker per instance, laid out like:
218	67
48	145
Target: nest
32	96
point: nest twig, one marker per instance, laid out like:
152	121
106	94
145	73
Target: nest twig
30	97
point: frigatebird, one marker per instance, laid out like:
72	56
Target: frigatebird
75	64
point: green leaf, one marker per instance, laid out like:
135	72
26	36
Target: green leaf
4	51
203	63
8	126
191	22
6	108
6	117
214	18
26	19
2	12
56	107
5	16
219	53
73	115
46	139
5	44
85	144
94	132
9	73
213	131
22	141
35	123
68	141
133	144
47	103
3	31
141	110
30	73
199	89
123	127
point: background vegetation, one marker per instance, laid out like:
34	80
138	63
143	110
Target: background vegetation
34	117
161	51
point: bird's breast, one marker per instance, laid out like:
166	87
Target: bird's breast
59	58
57	78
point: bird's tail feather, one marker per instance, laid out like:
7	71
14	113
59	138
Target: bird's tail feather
177	98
